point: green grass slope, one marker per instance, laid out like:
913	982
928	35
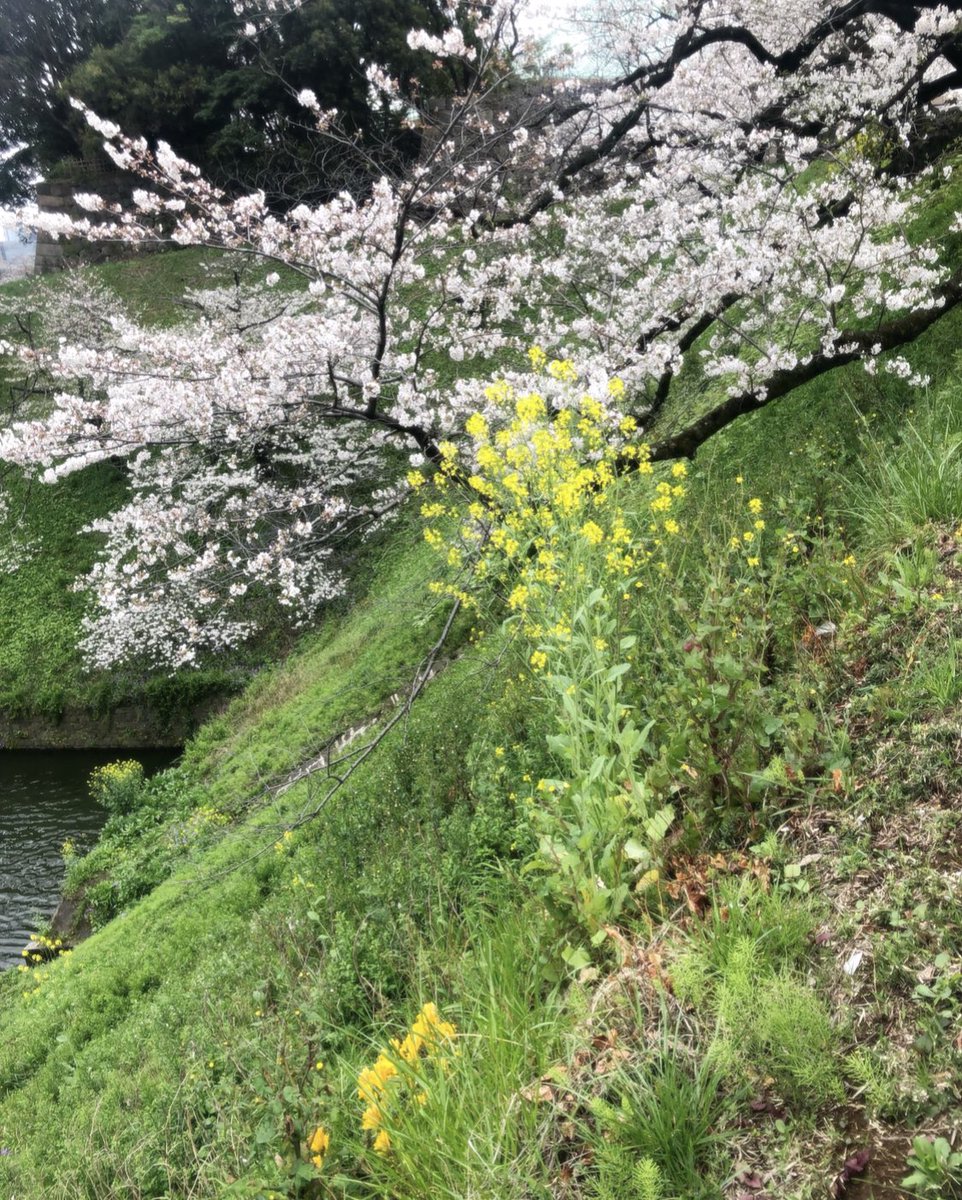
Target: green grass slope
776	1014
165	996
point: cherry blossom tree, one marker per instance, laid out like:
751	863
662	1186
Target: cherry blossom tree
740	204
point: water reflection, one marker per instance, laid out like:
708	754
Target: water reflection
43	802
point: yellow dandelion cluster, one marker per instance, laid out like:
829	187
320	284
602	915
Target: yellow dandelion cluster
395	1072
318	1146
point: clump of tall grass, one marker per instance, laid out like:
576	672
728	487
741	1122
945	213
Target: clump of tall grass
917	482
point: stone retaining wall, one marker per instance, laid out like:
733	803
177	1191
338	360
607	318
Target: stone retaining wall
58	196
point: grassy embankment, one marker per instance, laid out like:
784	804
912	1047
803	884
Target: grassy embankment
785	995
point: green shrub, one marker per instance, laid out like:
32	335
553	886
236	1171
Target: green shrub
666	1110
624	1176
936	1169
118	786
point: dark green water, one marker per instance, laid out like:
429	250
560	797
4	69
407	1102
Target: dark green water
43	802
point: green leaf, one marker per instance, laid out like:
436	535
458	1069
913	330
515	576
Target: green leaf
577	957
597	768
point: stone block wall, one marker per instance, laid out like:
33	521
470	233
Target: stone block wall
58	196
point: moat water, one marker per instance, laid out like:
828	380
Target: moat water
44	801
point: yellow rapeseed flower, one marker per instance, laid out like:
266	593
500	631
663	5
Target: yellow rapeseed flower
530	408
592	533
562	369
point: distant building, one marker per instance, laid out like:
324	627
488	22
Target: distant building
18	249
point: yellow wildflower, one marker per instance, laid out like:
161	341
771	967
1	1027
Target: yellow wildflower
488	458
372	1117
592	533
518	597
530	408
562	369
